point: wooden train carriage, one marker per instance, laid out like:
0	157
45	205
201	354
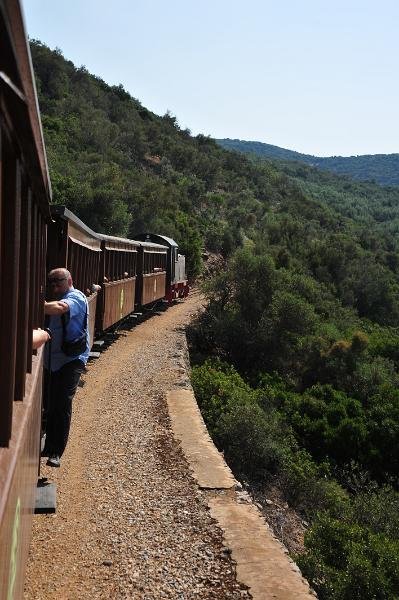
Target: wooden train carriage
118	272
24	214
151	272
73	245
176	278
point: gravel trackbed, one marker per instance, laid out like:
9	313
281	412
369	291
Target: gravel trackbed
130	520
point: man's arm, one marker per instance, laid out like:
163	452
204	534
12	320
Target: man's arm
55	308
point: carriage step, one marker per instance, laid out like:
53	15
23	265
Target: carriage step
98	344
46	497
111	336
94	354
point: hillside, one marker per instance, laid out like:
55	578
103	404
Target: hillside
381	168
123	169
296	356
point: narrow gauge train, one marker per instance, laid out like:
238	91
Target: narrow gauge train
117	275
24	214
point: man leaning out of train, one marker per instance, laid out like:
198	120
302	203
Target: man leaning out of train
65	359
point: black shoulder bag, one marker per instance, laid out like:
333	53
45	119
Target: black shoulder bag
78	345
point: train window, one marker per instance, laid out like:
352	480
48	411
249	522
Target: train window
22	274
113	269
10	212
23	214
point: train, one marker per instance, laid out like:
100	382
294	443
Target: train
118	276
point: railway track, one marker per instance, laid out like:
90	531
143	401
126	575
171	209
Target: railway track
130	521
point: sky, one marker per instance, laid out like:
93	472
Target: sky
315	76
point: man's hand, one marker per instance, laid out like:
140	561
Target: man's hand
40	337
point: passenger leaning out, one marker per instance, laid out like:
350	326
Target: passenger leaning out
66	318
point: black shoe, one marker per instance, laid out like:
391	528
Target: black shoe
53	461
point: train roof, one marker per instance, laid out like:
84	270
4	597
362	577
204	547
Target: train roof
67	215
114	239
154	237
62	211
152	245
77	231
17	81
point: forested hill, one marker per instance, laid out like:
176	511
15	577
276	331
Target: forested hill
302	321
122	169
381	168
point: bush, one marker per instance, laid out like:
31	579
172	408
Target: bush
377	509
347	562
256	440
252	441
307	486
218	389
328	423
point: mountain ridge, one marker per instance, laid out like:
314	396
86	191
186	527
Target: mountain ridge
381	168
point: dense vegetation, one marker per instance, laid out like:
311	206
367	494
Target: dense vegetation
382	168
305	398
123	169
297	353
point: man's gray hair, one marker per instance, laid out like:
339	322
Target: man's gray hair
65	272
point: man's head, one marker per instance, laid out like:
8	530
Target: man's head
59	281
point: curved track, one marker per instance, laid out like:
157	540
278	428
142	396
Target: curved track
135	517
130	521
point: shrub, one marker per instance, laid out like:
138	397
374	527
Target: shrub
307	486
345	561
328	423
377	509
252	441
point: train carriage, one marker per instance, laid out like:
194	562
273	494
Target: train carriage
24	213
73	245
152	265
176	282
130	273
118	274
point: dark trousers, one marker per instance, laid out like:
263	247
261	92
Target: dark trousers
59	393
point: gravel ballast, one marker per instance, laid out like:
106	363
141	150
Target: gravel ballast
130	521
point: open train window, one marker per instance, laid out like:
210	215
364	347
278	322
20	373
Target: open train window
22	258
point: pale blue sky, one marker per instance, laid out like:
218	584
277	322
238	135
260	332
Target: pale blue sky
316	76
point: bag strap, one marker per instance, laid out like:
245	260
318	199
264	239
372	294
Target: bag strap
64	325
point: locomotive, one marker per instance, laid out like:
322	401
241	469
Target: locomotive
118	276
